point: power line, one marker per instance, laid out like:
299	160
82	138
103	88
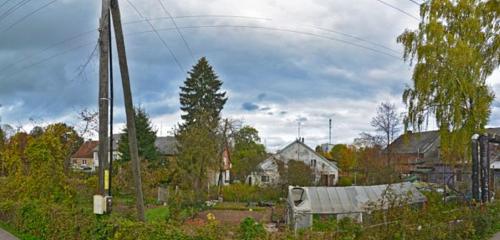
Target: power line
46	59
358	38
399	9
159	36
280	30
197	27
5	2
29	15
415	2
177	29
79	35
46	49
222	26
13	9
199	16
81	68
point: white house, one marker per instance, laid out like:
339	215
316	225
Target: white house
326	172
116	153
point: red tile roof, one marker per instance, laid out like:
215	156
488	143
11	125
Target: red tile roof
85	151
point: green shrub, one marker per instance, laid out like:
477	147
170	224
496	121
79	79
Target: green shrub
158	214
324	223
251	230
345	181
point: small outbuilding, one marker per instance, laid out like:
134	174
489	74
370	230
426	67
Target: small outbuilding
352	202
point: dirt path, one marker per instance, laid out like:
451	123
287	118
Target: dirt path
496	236
4	235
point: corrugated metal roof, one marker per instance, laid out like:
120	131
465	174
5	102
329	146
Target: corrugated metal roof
339	200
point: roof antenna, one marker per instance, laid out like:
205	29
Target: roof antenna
298	129
330	132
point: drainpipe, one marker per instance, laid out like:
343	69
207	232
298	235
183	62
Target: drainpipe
483	161
475	168
487	167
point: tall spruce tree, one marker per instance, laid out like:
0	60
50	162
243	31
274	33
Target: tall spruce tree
201	97
146	138
202	101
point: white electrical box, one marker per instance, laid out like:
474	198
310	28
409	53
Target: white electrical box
99	204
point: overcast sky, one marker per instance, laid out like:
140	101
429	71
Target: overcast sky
281	62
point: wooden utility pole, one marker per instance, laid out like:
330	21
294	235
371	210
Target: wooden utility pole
103	93
129	107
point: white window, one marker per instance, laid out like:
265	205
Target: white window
264	178
84	162
313	163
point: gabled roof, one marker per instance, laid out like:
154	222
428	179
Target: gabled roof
166	145
276	157
86	150
331	163
269	160
116	140
413	143
422	142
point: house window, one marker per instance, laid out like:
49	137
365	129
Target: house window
264	178
331	180
84	161
313	163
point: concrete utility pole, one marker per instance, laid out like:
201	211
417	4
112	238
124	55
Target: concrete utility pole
129	107
103	93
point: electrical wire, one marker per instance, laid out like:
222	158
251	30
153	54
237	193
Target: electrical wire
5	2
159	36
221	26
29	15
13	9
81	68
46	49
82	34
357	38
199	16
46	59
177	29
276	29
415	2
206	26
399	9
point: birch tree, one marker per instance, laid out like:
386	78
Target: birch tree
454	50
